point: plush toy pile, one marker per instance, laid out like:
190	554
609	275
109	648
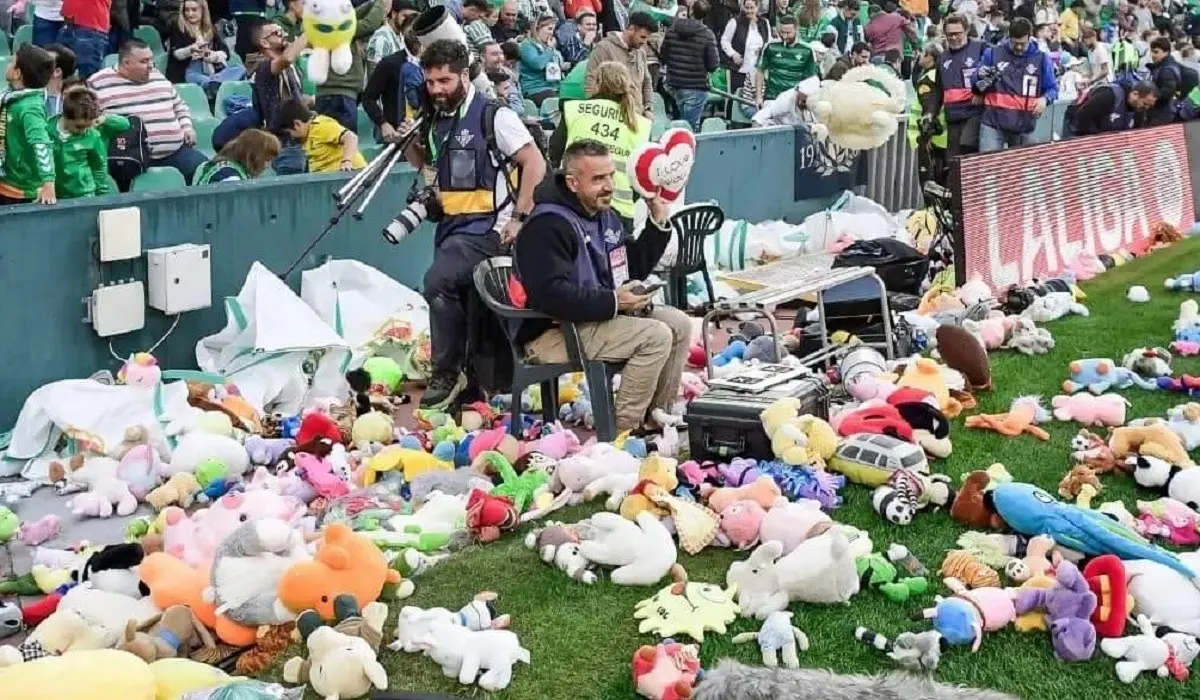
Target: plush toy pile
273	529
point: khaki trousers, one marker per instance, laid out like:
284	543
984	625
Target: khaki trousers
653	348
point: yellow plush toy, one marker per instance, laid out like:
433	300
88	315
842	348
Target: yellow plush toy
413	462
329	26
656	476
107	674
862	110
795	438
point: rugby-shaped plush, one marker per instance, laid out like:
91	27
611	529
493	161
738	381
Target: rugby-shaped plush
662	168
962	351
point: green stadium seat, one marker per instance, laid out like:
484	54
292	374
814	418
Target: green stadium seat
680	124
550	111
658	106
4	71
194	97
110	61
234	59
371	151
159	180
658	127
235	87
4	48
24	35
269	172
365	130
530	108
205	127
713	125
150	35
160	62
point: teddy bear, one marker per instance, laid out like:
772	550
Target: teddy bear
558	545
180	490
63	631
1069	606
1088	409
246	569
643	551
594	463
106	496
341	659
667	671
797	438
464	653
861	111
820	570
656	476
413	623
763	491
345	562
174	633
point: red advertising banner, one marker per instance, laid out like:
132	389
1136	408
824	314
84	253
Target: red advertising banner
1027	213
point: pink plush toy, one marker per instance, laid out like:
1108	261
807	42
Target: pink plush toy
763	491
865	387
667	671
1085	408
140	469
1169	519
105	497
45	528
791	524
319	473
194	539
740	523
557	445
141	369
991	331
288	484
1086	266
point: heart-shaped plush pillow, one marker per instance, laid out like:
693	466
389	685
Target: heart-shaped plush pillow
662	168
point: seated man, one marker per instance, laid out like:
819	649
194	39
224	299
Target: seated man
575	264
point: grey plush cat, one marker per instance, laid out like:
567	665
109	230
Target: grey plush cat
246	570
458	482
731	680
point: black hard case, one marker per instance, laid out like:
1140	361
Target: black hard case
723	423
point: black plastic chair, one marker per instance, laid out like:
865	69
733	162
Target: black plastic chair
491	281
692	225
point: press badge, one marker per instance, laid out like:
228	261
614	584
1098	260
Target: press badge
619	266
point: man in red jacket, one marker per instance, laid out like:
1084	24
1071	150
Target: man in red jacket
85	31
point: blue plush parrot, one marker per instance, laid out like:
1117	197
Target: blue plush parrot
1031	511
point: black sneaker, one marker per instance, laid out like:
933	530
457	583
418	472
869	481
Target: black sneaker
443	390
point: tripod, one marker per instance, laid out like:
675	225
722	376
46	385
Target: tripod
359	190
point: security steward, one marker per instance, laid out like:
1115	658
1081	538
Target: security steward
484	175
952	95
1110	107
614	118
927	133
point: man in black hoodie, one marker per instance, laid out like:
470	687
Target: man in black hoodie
689	54
575	264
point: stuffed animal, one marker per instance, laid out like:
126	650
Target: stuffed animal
1168	519
600	461
1025	337
1150	363
1053	306
1080	485
971	505
414	623
1092	451
642	551
1099	375
964	617
914	651
1169	655
687	607
345	562
1184	419
820	570
1088	409
558	545
666	671
965	567
741	522
731	680
464	653
267	452
1069	606
1105	575
196	447
341	659
64	631
962	351
878	572
246	570
1163	594
797	438
791	524
1155	440
763	491
180	490
177	632
861	111
41	530
320	474
1023	416
991	332
777	637
106	497
909	492
656	474
1184	283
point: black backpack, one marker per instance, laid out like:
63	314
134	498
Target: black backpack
128	154
901	267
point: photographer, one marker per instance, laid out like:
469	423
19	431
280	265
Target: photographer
476	164
574	263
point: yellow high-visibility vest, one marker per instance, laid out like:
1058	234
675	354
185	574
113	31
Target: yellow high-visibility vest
600	120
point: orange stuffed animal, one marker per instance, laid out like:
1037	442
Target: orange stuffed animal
345	562
173	582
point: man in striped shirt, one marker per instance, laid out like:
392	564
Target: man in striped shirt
135	88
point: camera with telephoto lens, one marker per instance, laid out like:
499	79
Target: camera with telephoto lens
986	77
930	127
423	205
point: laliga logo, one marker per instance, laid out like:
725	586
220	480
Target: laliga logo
662	169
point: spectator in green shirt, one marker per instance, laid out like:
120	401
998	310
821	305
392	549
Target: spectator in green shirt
784	63
809	21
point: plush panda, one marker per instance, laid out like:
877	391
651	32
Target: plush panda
1183	485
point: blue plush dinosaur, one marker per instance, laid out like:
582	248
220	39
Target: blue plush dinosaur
1099	375
1031	511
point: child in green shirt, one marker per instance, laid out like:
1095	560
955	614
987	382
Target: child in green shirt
79	137
26	163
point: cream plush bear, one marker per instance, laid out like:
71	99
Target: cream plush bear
819	570
341	660
796	438
862	110
642	550
465	653
63	631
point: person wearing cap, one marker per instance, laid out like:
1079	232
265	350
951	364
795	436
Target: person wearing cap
783	63
790	108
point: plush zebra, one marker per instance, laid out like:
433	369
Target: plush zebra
917	651
908	492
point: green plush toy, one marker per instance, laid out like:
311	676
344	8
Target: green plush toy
9	524
208	471
385	372
521	489
875	571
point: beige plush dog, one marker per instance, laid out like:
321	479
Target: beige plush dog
341	661
179	490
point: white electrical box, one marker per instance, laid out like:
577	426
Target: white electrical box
120	234
180	278
118	308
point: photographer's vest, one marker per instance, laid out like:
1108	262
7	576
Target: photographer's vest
600	120
956	70
1121	117
466	170
1008	106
